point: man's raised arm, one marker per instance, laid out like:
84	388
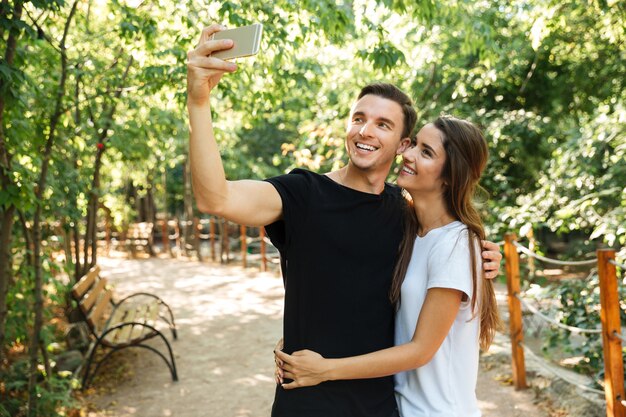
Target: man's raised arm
249	202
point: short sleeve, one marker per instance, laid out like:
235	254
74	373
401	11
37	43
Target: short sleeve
295	192
449	264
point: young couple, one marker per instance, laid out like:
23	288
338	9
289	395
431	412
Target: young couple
375	284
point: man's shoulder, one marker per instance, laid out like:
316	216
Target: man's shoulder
297	184
394	192
393	188
296	173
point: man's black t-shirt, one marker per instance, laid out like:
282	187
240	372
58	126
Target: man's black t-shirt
338	248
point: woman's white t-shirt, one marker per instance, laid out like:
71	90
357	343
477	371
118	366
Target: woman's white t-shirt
446	386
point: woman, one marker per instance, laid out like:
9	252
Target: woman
445	310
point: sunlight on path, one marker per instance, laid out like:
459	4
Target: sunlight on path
229	320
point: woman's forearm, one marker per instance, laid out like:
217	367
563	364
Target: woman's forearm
438	313
380	363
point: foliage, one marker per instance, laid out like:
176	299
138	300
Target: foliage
54	396
585	185
544	78
578	305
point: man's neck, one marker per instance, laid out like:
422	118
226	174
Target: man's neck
360	180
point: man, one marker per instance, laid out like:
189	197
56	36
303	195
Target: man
338	235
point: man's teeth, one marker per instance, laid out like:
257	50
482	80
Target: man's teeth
408	170
366	147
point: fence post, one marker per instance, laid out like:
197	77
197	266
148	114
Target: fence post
165	236
197	240
515	311
612	346
179	245
244	245
225	242
263	256
212	236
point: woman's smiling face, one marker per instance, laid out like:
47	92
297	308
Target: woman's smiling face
424	163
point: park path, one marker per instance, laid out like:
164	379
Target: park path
229	320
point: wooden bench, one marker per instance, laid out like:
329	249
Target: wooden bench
118	325
139	235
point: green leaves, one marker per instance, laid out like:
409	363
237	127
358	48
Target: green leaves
544	80
383	56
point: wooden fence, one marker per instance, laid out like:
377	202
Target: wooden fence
612	338
179	237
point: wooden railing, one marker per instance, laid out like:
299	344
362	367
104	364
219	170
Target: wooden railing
179	237
612	338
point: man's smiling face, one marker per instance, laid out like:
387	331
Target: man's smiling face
374	133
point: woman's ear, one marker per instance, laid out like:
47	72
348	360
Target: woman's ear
404	144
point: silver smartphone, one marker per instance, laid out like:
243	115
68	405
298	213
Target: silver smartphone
246	41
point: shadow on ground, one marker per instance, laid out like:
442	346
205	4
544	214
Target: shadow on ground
229	320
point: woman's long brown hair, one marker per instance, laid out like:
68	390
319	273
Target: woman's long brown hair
466	157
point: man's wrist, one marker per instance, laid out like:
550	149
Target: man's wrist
198	105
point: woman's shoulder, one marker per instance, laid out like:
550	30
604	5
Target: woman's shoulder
452	239
453	231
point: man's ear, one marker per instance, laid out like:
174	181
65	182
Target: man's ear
404	144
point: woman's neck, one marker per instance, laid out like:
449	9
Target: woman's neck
431	212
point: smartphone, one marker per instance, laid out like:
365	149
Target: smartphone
246	41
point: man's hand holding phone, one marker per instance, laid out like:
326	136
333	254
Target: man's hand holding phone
206	64
203	70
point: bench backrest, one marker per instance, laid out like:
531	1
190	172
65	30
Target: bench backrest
94	299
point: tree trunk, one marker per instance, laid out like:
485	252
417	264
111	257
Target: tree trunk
6	226
41	186
73	231
94	200
35	339
91	241
6	213
76	253
66	236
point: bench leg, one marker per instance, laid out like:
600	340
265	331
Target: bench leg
171	363
170	322
86	376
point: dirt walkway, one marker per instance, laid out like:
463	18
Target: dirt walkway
229	320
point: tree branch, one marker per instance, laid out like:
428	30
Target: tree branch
41	185
9	57
530	73
431	83
42	33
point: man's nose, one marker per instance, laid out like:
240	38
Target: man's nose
365	129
